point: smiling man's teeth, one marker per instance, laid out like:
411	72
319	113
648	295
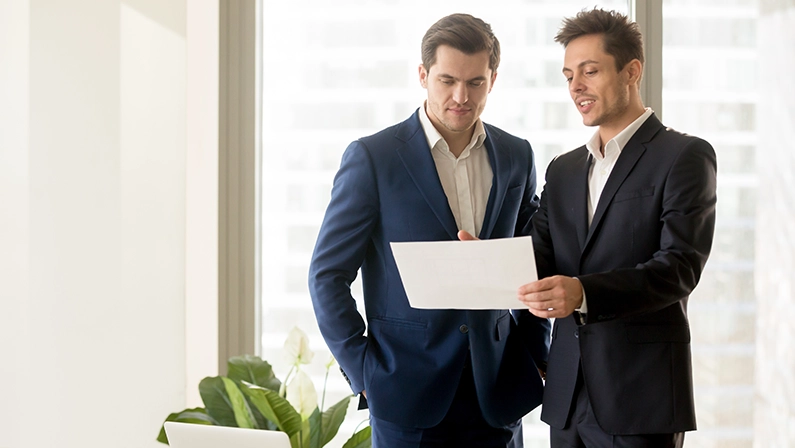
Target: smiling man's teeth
586	102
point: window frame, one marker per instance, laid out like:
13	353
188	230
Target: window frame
239	321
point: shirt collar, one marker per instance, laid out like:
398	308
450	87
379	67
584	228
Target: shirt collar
617	143
434	137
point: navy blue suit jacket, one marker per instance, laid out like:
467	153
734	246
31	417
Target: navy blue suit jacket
410	360
638	262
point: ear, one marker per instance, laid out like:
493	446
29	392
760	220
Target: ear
423	76
634	72
493	79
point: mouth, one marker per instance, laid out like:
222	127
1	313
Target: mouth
459	111
584	105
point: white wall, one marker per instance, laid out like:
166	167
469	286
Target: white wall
14	210
101	206
201	263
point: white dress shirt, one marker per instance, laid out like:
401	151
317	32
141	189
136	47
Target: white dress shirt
602	166
466	180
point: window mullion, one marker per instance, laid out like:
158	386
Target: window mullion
648	15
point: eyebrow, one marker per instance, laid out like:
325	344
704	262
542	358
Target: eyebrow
477	78
585	62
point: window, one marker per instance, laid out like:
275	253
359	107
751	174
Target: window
337	72
710	85
333	73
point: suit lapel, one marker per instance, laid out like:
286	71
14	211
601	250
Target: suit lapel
626	161
418	161
579	189
500	161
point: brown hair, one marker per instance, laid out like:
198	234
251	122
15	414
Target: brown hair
621	38
463	32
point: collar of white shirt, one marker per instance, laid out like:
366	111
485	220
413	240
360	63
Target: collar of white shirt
617	143
435	138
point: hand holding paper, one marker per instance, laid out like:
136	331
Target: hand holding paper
556	296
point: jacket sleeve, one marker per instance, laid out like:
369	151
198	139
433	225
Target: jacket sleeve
529	205
542	240
535	330
341	246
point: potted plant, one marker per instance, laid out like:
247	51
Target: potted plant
251	396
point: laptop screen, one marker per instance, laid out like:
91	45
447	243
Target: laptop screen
190	435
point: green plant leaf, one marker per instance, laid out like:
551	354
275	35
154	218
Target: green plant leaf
332	419
314	429
216	401
301	438
274	408
195	415
260	421
362	439
243	415
225	403
309	436
252	369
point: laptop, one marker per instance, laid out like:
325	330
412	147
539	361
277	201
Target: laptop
191	435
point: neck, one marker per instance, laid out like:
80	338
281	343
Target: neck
609	130
457	141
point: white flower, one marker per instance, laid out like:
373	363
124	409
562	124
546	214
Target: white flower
296	347
302	395
331	362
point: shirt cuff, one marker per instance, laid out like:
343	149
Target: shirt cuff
583	309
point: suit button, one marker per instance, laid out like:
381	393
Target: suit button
464	329
577	334
345	376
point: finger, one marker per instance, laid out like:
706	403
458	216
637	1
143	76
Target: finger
539	306
463	235
544	314
545	284
537	297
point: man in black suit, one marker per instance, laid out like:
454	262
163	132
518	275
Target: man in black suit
621	238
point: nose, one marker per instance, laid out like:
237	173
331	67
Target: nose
575	85
460	93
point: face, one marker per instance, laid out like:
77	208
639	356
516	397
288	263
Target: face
600	92
457	85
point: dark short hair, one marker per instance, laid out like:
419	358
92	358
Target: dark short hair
463	32
621	37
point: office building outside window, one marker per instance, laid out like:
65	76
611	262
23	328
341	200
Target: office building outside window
710	89
336	72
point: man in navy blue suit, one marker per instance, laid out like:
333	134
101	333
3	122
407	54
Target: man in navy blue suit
432	378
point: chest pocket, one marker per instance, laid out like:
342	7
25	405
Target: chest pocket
634	194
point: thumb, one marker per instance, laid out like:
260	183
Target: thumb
463	235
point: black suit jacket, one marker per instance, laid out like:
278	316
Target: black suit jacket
638	262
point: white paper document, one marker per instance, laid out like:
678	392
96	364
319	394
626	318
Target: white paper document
474	275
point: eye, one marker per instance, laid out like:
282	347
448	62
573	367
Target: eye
590	72
447	82
476	83
568	79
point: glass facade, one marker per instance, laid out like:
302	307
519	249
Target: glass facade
336	72
710	90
